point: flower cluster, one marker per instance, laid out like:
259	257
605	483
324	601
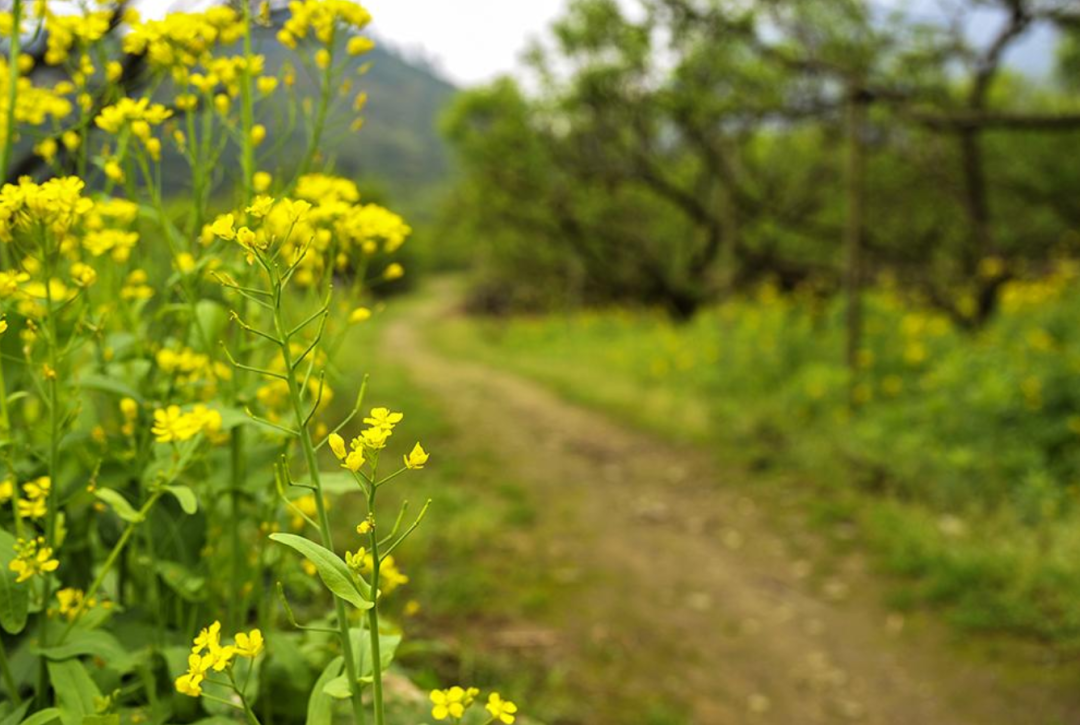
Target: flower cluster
323	18
35	499
373	439
172	424
32	558
451	704
209	655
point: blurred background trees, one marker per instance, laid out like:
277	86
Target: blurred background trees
672	151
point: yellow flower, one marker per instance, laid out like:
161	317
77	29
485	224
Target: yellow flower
266	84
258	134
393	271
322	58
249	645
359	45
354	461
364	527
7	490
83	274
383	418
260	206
390	577
337	445
113	171
500	709
32	558
360	314
3	326
451	702
223	227
416	458
372	438
261	181
34	503
71	600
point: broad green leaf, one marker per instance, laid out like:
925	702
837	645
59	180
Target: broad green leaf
44	717
332	570
95	642
119	504
338	688
361	645
74	689
14	598
320	709
185	497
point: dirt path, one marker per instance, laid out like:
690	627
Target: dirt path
682	598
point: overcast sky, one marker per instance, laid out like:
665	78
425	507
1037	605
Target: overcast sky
470	40
475	40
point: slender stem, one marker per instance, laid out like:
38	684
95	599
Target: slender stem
242	694
109	562
9	120
373	617
325	96
320	505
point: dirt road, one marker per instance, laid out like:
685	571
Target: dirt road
683	602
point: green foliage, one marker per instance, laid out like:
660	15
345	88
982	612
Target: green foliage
674	154
958	462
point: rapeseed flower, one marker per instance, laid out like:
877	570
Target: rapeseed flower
452	702
32	558
500	709
416	458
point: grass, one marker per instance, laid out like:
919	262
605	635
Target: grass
471	581
1000	563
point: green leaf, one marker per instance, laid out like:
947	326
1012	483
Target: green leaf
212	317
15	716
361	645
320	710
185	497
95	642
14	598
109	385
43	717
332	570
338	688
74	689
119	504
113	719
337	482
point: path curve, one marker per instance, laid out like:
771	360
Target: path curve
670	566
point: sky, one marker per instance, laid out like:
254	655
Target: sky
473	41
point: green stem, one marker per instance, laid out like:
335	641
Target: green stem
13	82
325	96
323	518
373	616
252	719
117	549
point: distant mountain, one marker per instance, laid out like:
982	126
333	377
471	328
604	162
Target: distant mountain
398	149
